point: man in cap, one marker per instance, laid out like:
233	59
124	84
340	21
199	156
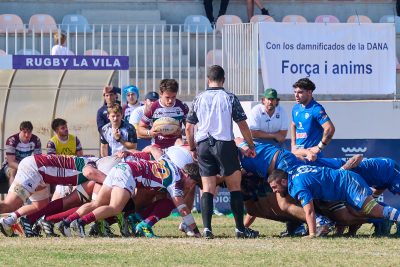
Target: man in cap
268	121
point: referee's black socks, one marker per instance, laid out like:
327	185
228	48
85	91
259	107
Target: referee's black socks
237	209
207	209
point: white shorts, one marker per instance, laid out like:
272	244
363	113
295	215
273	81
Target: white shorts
64	190
28	175
121	176
40	195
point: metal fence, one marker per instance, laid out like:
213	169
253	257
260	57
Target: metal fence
156	51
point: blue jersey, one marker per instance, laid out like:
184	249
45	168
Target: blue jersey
380	173
260	164
311	182
309	120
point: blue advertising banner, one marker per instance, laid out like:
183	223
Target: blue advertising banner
70	62
341	148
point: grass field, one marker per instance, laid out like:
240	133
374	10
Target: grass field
173	249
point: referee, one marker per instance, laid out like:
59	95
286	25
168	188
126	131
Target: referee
212	111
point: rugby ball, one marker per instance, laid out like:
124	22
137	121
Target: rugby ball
166	125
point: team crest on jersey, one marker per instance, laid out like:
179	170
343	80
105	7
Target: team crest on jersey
297	113
278	116
306	116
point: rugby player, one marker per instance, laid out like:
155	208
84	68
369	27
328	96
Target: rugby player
35	174
307	183
170	172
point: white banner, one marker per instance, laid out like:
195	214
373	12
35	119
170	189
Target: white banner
340	58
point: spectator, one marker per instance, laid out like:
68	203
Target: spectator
117	134
209	9
19	146
268	122
137	115
110	98
311	128
212	111
166	106
60	48
131	93
250	8
63	143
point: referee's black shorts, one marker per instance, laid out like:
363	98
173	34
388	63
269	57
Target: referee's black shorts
222	158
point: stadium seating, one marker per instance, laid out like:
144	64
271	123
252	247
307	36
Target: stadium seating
226	19
294	18
326	19
28	52
2	52
75	23
391	19
261	18
214	57
197	23
42	23
359	19
95	52
11	23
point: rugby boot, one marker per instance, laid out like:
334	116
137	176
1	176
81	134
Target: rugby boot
397	234
382	228
184	228
79	227
207	234
123	225
27	227
64	228
105	229
324	225
5	228
294	228
247	233
134	219
94	230
144	229
48	227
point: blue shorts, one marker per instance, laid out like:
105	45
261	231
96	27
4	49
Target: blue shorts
287	161
394	186
355	188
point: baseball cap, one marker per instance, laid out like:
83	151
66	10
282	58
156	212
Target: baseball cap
152	96
271	93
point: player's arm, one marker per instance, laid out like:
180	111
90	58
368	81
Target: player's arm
155	151
244	129
310	218
187	216
300	153
93	174
143	131
12	161
279	136
189	129
79	150
103	150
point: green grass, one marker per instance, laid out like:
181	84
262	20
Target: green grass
173	249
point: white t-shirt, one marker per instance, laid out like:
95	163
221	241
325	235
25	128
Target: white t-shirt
59	50
260	120
136	115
